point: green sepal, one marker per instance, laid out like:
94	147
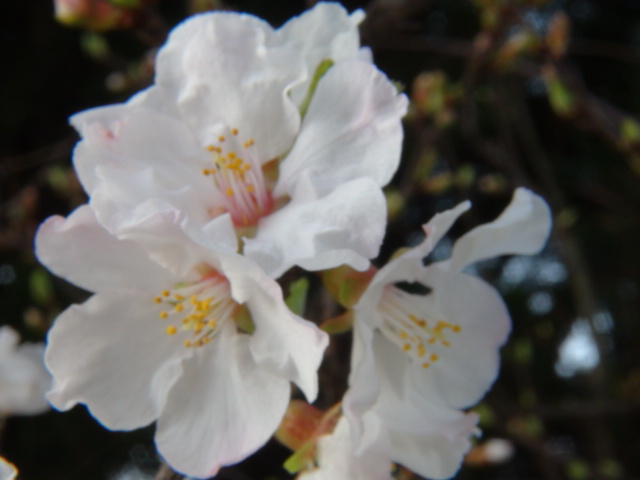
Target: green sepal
322	68
340	324
297	298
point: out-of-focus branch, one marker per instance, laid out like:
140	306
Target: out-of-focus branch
389	20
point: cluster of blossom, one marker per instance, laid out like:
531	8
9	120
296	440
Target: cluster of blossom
257	150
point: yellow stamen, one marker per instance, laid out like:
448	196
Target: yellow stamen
163	314
234	131
221	138
171	330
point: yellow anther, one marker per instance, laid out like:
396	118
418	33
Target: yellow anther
179	297
187	343
248	143
457	328
403	334
198	343
194	299
421	350
171	330
211	148
165	293
434	357
212	323
206	172
231	155
406	347
221	138
157	300
446	343
185	320
426	365
206	339
230	192
163	314
251	188
418	321
234	131
179	307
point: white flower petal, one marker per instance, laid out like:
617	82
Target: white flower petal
112	354
432	456
364	382
337	460
327	31
8	471
470	365
522	228
223	408
83	252
282	343
162	235
238	76
343	227
351	130
9	340
23	377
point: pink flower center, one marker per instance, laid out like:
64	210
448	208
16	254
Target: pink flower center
196	310
240	185
407	325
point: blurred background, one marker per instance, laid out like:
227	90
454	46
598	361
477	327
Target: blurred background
536	93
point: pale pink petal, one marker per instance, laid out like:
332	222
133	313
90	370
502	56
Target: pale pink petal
83	252
282	343
112	353
226	69
327	31
522	228
344	227
223	408
351	130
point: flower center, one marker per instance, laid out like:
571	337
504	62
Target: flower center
197	309
406	325
240	185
